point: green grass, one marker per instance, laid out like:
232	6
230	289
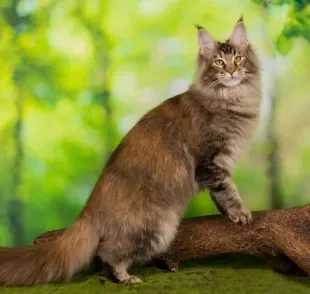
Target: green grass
214	275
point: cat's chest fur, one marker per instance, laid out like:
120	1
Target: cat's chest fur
229	122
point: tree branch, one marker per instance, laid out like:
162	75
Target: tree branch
280	237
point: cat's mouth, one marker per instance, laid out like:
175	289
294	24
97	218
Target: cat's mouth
231	82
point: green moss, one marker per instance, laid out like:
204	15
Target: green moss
214	275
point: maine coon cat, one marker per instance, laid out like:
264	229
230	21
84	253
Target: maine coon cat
187	143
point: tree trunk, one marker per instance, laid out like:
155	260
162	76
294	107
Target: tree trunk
103	92
16	206
276	197
273	159
101	86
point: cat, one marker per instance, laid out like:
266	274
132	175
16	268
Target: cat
187	143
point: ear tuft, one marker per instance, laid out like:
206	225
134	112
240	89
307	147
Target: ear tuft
198	27
239	35
206	42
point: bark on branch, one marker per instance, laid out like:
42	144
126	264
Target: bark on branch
280	237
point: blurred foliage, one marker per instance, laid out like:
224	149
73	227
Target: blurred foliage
296	25
87	70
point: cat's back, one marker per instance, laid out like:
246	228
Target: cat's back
171	110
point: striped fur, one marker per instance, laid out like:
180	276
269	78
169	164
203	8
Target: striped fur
187	143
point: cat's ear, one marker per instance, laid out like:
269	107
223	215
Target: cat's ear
239	36
206	43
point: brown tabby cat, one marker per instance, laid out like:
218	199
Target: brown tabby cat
187	143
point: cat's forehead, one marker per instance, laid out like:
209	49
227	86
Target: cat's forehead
226	49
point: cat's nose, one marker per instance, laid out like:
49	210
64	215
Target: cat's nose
231	71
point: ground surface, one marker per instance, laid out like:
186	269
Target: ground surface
215	275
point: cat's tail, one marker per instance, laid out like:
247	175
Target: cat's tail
57	260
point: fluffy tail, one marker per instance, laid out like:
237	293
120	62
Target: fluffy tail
44	263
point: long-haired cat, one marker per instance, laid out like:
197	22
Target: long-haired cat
187	143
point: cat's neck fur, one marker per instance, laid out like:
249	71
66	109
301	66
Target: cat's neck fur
249	91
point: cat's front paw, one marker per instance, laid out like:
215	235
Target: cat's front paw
239	214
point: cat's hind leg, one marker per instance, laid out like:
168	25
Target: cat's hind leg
118	260
120	273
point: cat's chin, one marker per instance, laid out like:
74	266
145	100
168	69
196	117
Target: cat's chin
231	82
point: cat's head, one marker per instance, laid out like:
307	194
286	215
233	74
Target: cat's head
227	64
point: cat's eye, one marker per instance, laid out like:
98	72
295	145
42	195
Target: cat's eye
238	58
219	62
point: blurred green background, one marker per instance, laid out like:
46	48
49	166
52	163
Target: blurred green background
75	76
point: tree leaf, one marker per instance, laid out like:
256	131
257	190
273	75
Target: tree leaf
284	44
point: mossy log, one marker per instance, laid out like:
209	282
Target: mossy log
280	237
